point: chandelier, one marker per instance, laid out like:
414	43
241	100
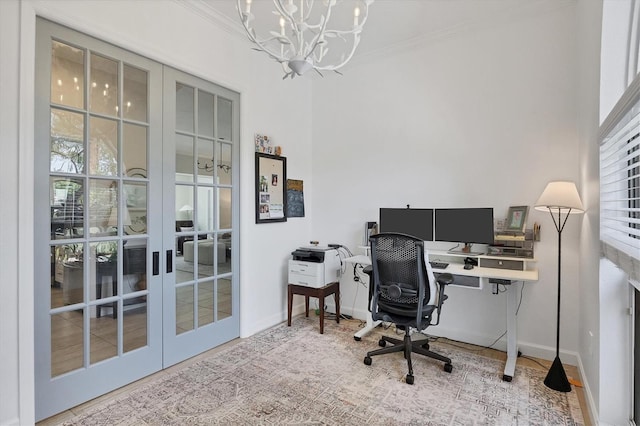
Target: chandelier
303	38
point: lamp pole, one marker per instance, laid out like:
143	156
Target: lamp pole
556	377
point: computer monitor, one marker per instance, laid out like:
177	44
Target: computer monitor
468	226
415	222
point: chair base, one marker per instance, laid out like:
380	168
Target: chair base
408	346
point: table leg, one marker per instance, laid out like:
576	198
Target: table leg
321	313
290	305
512	329
306	306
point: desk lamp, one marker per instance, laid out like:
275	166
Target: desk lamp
560	199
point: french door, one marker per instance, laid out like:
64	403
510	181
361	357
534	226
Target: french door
201	141
135	226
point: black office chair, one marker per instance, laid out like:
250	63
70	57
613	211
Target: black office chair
402	294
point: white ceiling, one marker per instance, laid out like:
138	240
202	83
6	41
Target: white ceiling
397	23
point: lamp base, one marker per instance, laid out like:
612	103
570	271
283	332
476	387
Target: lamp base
556	377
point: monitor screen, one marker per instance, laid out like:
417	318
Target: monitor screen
472	225
415	222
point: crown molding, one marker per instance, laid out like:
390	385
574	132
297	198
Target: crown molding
205	11
518	11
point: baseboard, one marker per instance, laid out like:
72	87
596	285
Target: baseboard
263	324
529	349
593	410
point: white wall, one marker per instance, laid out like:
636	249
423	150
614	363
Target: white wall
475	120
589	19
171	33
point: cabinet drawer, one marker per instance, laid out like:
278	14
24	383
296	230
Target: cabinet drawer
515	265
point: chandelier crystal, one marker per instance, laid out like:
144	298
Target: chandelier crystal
303	38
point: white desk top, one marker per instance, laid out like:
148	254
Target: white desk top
482	272
477	271
361	259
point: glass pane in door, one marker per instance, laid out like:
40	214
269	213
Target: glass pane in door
224	305
103	147
103	93
223	164
184	308
134	150
103	339
67	207
103	207
67	75
225	123
67	342
134	93
184	158
184	108
67	142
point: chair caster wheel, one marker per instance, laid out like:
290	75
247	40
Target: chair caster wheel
507	378
382	343
448	368
356	338
367	360
425	346
409	379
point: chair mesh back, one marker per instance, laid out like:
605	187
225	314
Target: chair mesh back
398	262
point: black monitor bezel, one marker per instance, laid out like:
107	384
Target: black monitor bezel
444	232
408	226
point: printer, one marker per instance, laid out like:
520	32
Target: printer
314	266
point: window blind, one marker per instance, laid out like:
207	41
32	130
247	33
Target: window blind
620	191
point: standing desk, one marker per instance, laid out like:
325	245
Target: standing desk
508	277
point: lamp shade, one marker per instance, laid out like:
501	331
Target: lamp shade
562	196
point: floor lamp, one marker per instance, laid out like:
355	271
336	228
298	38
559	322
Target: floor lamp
561	199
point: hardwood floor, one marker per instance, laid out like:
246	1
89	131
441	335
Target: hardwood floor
572	373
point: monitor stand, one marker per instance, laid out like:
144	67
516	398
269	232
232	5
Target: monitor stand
467	253
466	250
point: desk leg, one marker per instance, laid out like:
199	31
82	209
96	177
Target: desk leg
512	330
371	324
289	305
336	299
306	306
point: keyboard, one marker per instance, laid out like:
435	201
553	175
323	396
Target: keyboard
439	265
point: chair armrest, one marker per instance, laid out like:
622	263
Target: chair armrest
445	279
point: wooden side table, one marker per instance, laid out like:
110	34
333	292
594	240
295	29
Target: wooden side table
320	293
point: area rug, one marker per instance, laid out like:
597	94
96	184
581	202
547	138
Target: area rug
296	376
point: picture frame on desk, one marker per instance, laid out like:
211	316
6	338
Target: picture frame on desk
517	219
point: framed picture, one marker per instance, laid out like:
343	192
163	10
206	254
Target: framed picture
517	218
271	178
